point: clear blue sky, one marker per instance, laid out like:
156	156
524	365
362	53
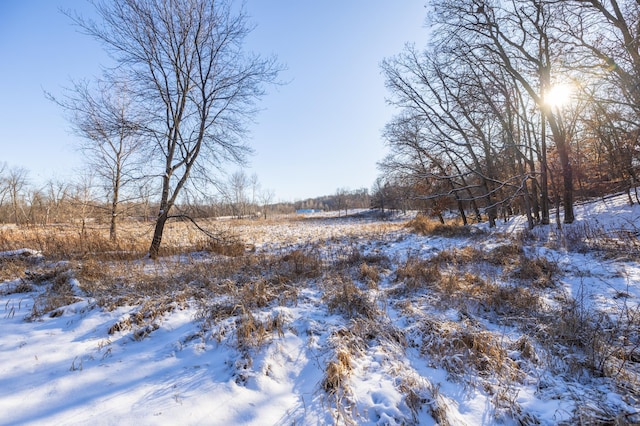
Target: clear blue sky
319	132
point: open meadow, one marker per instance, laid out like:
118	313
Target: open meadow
325	320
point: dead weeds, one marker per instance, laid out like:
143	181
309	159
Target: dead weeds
426	226
460	347
343	296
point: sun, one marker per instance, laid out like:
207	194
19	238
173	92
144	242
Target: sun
558	95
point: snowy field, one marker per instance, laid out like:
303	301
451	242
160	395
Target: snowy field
335	321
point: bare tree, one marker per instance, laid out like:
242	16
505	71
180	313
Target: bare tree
185	61
106	119
521	36
254	185
36	201
469	95
342	200
4	189
237	193
614	49
57	193
83	201
266	197
16	180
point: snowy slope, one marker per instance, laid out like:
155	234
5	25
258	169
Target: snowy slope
387	354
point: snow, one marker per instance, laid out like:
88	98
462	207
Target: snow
24	252
68	369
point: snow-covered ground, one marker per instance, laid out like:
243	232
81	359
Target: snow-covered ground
363	337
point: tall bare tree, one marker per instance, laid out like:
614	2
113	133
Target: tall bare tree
613	50
189	72
17	180
4	189
266	197
520	35
57	194
105	118
237	193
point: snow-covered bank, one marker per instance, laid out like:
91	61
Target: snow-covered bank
341	321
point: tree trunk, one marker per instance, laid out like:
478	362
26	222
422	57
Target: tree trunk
463	215
567	178
113	234
157	234
163	215
544	175
113	228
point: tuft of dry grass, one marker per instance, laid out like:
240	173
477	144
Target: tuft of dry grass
540	272
346	347
337	372
12	268
425	226
526	349
504	254
458	347
416	273
251	333
147	315
511	301
456	257
57	293
300	264
227	246
369	273
342	295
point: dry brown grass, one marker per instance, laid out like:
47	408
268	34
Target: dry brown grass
468	291
58	292
11	269
300	264
425	226
538	272
226	245
457	277
370	274
504	254
74	242
337	372
70	242
416	274
455	257
347	345
459	347
146	316
343	296
510	301
253	333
